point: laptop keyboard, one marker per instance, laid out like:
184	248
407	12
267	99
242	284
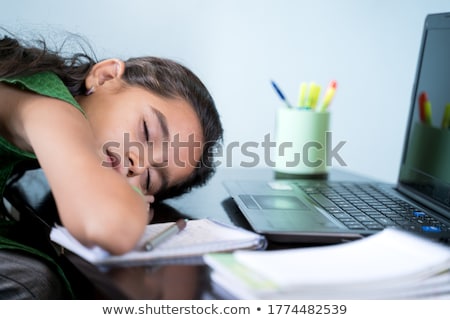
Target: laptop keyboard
364	206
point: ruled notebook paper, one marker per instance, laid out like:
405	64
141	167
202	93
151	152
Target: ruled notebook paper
198	238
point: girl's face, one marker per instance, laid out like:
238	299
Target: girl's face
153	142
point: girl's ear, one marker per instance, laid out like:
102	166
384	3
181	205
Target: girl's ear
104	71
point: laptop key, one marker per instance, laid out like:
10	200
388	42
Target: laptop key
322	200
431	229
386	222
354	225
341	216
373	226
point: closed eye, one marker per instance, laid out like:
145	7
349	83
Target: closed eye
146	132
147	185
147	138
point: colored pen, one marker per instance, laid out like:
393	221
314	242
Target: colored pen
424	108
422	99
165	234
314	92
281	95
302	95
446	117
329	94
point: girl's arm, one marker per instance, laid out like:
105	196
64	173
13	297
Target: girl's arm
95	203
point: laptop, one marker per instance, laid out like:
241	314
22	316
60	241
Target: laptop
323	211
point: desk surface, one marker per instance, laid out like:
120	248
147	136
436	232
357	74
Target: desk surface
182	281
173	281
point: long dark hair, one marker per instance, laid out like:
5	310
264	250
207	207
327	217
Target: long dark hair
164	77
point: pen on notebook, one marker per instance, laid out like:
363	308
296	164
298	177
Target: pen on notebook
329	94
165	234
280	94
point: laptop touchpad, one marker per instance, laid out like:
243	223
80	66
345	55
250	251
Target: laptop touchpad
279	202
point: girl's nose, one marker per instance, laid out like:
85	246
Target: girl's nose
135	168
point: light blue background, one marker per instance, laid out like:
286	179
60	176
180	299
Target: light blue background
236	47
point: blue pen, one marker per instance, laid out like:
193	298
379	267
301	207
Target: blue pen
281	94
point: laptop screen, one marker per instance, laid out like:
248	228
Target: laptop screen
425	166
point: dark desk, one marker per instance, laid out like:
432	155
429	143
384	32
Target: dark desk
150	282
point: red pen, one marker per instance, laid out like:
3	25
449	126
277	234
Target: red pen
424	108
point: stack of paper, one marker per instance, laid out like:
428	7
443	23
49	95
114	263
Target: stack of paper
392	264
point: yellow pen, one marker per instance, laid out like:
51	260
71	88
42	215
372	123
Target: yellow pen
329	94
446	117
302	95
427	112
314	92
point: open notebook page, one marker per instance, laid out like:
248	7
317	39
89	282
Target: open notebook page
199	237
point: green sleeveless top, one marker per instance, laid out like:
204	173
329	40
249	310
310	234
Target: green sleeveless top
46	84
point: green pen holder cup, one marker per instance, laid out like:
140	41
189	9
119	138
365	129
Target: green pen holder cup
301	143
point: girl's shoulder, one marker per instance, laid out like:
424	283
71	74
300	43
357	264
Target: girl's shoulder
46	84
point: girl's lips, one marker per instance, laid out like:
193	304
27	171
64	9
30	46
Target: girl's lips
112	160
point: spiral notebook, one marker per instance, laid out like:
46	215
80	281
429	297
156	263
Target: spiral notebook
200	237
